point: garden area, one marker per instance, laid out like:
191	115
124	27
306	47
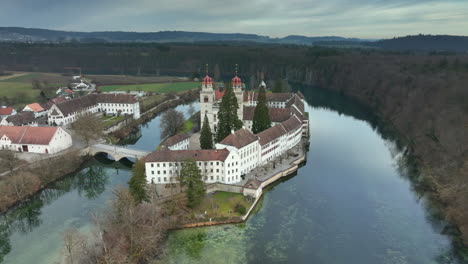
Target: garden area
109	120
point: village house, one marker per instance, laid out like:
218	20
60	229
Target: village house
67	112
36	108
22	119
45	140
7	111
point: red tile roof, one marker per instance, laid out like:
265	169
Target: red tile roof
35	107
239	139
28	135
6	111
219	94
183	155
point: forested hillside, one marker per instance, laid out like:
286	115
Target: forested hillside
425	97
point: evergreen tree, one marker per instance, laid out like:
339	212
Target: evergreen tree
137	183
227	114
191	177
206	137
261	118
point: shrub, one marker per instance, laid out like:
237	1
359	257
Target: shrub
241	209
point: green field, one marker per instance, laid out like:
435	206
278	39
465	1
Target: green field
18	88
152	87
222	204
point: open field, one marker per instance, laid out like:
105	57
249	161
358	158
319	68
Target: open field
129	79
16	89
152	87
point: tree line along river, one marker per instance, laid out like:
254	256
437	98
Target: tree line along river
352	202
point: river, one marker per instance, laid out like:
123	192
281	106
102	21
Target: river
352	202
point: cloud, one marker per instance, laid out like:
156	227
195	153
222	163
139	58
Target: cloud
349	18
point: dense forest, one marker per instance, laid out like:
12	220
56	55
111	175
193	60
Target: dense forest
424	96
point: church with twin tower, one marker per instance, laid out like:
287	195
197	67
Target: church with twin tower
210	98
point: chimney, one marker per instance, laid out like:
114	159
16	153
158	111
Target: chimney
232	131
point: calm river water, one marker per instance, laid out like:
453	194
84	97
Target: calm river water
352	202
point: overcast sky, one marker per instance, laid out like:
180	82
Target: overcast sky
276	18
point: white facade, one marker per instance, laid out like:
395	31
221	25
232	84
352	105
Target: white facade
60	117
249	155
51	143
222	171
181	145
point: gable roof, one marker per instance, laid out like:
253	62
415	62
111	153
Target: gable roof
276	114
28	135
22	118
35	107
6	111
270	134
171	141
183	155
77	104
239	139
292	123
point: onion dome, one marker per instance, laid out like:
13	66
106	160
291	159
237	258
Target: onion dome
236	81
207	80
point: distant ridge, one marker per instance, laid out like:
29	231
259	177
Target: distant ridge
19	34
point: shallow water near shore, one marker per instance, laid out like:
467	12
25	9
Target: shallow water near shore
352	202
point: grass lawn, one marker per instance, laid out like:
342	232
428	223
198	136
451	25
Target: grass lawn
222	204
188	125
111	120
152	87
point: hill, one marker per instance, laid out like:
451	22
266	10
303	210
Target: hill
19	34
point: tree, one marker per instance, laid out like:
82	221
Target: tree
172	121
73	242
191	177
206	137
88	127
137	183
261	118
8	160
227	114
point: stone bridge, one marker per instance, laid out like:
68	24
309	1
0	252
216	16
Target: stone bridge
117	152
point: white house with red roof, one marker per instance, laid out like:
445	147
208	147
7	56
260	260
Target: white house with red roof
36	108
44	140
6	111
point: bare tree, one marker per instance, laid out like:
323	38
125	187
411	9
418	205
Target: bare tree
8	160
88	127
74	242
172	121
